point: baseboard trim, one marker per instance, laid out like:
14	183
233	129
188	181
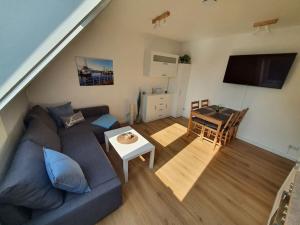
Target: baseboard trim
267	148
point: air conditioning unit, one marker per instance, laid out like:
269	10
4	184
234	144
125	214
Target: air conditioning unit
160	64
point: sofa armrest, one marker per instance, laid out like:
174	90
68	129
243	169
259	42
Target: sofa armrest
94	111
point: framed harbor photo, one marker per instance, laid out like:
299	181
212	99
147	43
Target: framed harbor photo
92	71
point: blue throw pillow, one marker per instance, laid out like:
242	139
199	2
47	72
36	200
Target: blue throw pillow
105	121
60	111
64	172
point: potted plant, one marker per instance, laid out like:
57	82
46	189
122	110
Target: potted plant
185	59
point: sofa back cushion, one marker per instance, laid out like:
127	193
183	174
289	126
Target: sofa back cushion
95	111
37	112
39	133
60	111
26	182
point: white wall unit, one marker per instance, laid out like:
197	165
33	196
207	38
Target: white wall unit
178	86
156	106
160	64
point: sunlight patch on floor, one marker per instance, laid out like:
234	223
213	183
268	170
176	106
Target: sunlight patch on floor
169	134
183	170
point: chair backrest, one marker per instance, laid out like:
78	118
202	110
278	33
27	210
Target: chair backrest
231	120
204	102
195	105
241	116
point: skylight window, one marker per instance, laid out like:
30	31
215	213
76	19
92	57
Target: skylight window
33	32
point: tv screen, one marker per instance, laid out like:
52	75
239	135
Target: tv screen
265	70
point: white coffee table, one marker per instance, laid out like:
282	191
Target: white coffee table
129	151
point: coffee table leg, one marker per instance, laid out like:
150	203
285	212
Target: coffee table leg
125	169
106	144
151	162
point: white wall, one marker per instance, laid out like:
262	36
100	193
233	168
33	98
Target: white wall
273	121
11	126
103	38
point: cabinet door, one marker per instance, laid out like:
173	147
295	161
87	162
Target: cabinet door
159	69
151	108
184	71
163	65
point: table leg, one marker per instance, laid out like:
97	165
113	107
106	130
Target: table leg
125	170
151	161
106	144
189	125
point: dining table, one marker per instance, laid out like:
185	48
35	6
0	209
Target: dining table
214	114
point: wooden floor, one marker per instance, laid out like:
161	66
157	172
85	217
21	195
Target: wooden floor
192	184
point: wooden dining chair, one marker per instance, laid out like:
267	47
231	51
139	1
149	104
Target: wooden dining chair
238	122
219	134
226	133
195	105
197	126
204	103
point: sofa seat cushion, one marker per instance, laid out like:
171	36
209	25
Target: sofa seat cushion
82	127
26	182
86	126
87	152
85	209
39	133
14	215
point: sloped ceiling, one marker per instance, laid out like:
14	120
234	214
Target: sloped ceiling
33	32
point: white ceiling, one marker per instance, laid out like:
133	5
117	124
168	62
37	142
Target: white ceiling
193	19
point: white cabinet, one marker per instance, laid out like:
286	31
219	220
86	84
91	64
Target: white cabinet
179	87
156	106
160	64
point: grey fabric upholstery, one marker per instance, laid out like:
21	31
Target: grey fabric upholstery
86	209
39	133
96	111
87	126
14	215
80	143
105	195
37	112
95	165
60	111
198	120
26	182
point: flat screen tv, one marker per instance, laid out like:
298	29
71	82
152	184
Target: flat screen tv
264	70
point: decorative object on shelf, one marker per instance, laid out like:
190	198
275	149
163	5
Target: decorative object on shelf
138	103
162	17
264	25
127	138
185	59
93	71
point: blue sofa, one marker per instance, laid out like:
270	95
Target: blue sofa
81	143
